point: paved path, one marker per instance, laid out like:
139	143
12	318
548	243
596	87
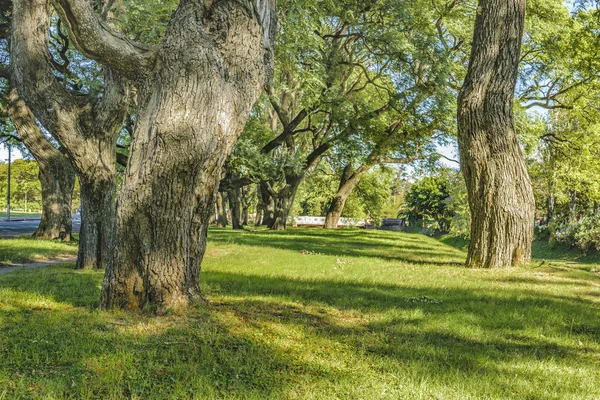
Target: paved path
17	267
19	227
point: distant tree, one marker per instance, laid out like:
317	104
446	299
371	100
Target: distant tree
428	199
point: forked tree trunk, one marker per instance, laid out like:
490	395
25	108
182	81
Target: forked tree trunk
499	188
86	126
268	205
96	237
56	175
192	107
284	202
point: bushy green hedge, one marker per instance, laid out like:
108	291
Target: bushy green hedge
583	233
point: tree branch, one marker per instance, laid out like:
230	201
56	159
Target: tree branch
97	41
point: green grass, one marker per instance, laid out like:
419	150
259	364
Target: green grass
15	214
25	250
311	314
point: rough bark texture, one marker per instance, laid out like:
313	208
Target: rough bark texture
500	192
192	106
56	175
268	205
87	127
284	199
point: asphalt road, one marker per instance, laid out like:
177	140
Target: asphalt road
17	227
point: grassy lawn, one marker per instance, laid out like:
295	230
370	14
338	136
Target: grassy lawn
15	214
25	249
311	314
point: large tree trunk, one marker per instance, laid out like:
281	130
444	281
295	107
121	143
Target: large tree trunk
500	192
56	175
97	223
86	126
191	109
268	205
284	202
245	205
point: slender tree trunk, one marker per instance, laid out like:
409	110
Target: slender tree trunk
192	108
550	211
500	192
221	214
348	182
245	205
235	205
573	206
56	175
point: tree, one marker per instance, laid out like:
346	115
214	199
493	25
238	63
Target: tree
55	172
196	89
500	192
428	199
86	125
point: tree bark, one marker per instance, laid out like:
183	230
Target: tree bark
268	205
87	127
245	205
284	201
56	175
97	223
499	188
235	205
348	182
193	104
221	214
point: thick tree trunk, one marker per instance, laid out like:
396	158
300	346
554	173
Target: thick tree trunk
56	175
221	214
57	189
96	238
191	109
268	205
87	127
284	202
500	192
235	205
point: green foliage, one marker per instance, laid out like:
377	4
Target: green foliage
428	200
26	190
583	234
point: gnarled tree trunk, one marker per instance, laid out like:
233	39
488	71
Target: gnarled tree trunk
192	107
87	127
56	175
336	207
268	205
499	188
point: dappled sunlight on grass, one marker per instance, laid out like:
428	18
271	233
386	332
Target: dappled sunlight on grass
312	314
21	250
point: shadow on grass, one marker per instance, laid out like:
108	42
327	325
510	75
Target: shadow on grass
27	249
413	249
233	347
